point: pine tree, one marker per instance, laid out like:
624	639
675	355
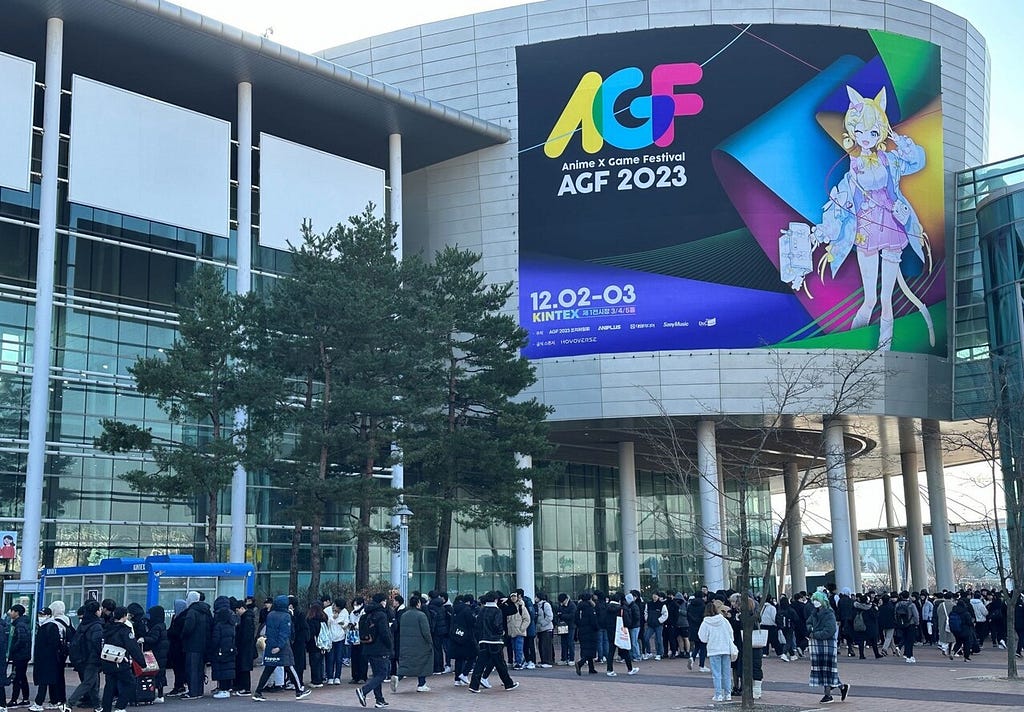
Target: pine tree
472	421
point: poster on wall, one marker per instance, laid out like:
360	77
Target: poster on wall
731	187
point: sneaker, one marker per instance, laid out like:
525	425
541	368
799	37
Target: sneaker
157	701
657	657
530	666
242	693
192	697
611	673
910	660
705	669
460	683
394	683
485	683
380	704
784	658
303	693
634	671
316	685
258	697
717	698
545	666
35	708
447	669
826	700
118	710
361	696
221	695
1002	645
844	690
474	690
513	686
423	688
689	663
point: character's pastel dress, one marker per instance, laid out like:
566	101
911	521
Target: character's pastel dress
877	228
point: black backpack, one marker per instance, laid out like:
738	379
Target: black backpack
367	629
78	648
903	614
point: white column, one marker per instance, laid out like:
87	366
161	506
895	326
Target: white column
838	504
629	533
912	496
395	208
942	545
794	528
851	502
710	506
525	574
243	285
39	405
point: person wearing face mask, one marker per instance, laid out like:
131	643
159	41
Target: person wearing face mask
822	630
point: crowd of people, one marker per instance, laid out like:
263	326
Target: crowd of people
385	640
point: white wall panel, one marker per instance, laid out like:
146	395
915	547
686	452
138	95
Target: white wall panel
138	156
299	183
17	87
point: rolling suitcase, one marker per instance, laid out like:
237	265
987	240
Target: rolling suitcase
145	689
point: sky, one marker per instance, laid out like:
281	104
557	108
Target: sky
314	25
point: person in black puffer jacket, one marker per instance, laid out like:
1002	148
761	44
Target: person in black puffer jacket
85	656
490	631
176	653
694	617
195	640
156	640
245	645
222	651
614	611
119	674
378	647
300	636
464	647
19	652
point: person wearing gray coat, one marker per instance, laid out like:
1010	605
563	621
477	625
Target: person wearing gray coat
416	649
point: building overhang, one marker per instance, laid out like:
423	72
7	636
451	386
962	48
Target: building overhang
169	53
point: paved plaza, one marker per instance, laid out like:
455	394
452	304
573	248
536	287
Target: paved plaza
934	684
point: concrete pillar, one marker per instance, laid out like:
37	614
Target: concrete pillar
912	497
851	502
525	574
942	545
39	404
711	533
243	285
835	472
397	469
629	533
890	514
794	528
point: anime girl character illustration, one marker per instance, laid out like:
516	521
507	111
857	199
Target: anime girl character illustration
867	210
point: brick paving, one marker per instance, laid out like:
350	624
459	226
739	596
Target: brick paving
934	684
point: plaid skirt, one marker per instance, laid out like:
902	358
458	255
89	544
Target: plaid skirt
824	664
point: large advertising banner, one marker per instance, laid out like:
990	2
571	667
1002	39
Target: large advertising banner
731	187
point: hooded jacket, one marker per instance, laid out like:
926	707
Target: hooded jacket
222	645
195	628
49	651
120	634
279	632
716	631
156	639
382	644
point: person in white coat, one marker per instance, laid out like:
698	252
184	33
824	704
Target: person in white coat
716	631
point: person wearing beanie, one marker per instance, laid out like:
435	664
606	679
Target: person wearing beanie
196	628
823	629
156	640
636	619
48	666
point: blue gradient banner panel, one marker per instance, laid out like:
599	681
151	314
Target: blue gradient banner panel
731	187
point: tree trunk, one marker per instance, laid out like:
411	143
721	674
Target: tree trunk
293	564
444	545
1011	634
363	544
746	614
211	526
314	553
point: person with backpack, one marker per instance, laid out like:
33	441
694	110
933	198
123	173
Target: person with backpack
908	620
530	642
84	652
961	625
545	630
694	617
378	649
319	643
19	653
439	616
50	654
278	652
865	624
195	639
887	624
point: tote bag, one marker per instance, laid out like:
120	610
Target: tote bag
622	640
759	637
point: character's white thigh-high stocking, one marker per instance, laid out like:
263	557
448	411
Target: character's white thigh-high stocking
868	264
890	270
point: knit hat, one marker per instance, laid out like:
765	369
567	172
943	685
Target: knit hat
58	608
820	597
629	598
191	597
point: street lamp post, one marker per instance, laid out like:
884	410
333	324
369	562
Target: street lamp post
403	512
901	542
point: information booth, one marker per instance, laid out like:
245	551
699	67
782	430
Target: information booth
153	581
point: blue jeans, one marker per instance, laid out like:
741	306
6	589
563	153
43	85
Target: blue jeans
333	664
654	629
721	673
602	644
634	638
517	647
381	666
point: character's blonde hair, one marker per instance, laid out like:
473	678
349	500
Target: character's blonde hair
866	112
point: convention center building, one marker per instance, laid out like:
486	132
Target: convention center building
733	234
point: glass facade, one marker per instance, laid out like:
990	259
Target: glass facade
972	380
